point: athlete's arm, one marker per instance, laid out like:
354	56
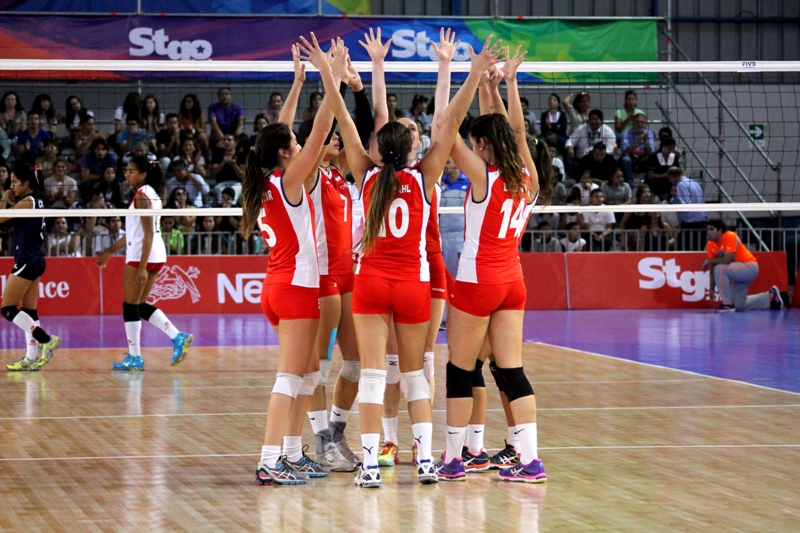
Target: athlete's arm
377	52
516	118
726	259
289	111
103	258
25	203
444	51
489	97
143	202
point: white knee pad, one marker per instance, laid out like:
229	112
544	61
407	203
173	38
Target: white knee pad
310	382
427	364
324	371
392	369
287	384
372	385
415	386
351	371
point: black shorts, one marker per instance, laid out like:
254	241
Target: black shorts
29	272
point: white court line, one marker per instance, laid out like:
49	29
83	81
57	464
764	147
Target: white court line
549	409
434	452
669	368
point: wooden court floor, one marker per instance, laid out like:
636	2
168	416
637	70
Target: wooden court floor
627	447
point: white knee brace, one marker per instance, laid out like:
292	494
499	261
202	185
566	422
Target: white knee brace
324	371
287	384
415	386
372	385
427	364
351	371
392	369
310	382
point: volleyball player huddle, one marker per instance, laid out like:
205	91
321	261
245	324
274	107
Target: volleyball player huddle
313	295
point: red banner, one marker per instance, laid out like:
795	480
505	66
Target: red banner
69	286
546	280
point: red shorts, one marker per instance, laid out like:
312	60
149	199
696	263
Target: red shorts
438	276
483	300
150	266
408	301
283	301
333	284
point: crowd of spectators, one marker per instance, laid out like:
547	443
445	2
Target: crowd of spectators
203	153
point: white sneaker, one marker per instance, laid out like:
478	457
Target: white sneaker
335	460
426	472
368	478
349	454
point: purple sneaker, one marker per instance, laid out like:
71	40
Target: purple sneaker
532	472
452	471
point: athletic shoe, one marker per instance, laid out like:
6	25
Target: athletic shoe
308	466
452	471
46	352
180	347
413	453
505	458
334	459
725	308
337	433
23	365
369	477
475	463
426	472
388	455
530	473
131	362
775	300
282	474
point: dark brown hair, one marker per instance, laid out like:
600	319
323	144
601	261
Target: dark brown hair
496	131
544	168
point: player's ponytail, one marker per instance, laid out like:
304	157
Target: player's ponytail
151	170
394	144
263	155
497	132
544	168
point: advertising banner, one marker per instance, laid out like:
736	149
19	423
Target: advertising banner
545	280
70	286
271	38
180	7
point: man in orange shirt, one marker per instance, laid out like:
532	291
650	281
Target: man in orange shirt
734	269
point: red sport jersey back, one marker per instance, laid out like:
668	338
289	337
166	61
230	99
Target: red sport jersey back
333	211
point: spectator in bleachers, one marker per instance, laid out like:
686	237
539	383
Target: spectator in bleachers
453	178
424	140
192	157
208	240
152	119
577	105
31	140
5	178
545	240
600	163
624	117
391	106
43	105
314	101
132	135
5	145
60	189
12	114
556	162
259	123
47	158
142	149
95	158
105	236
637	145
617	192
418	111
92	199
273	110
529	116
653	233
110	187
172	236
691	224
131	107
85	135
225	116
61	243
584	138
665	132
565	219
75	114
192	183
179	199
583	189
657	165
192	121
553	123
168	140
228	224
600	225
573	241
227	165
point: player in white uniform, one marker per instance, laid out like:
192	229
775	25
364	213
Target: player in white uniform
143	240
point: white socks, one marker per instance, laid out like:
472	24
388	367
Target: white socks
133	330
293	448
338	414
528	445
423	432
270	455
455	442
389	430
319	420
513	439
159	320
370	442
32	353
475	438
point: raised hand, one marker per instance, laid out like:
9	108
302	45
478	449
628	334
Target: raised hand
495	76
312	52
373	46
299	68
354	79
447	46
513	62
487	57
339	63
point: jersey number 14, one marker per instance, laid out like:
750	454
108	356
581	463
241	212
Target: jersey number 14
515	221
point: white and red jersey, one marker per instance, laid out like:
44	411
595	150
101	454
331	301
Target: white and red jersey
134	236
399	253
289	232
434	239
333	215
493	229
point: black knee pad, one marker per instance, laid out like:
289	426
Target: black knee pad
9	312
498	377
516	383
33	313
458	381
146	310
477	375
130	312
